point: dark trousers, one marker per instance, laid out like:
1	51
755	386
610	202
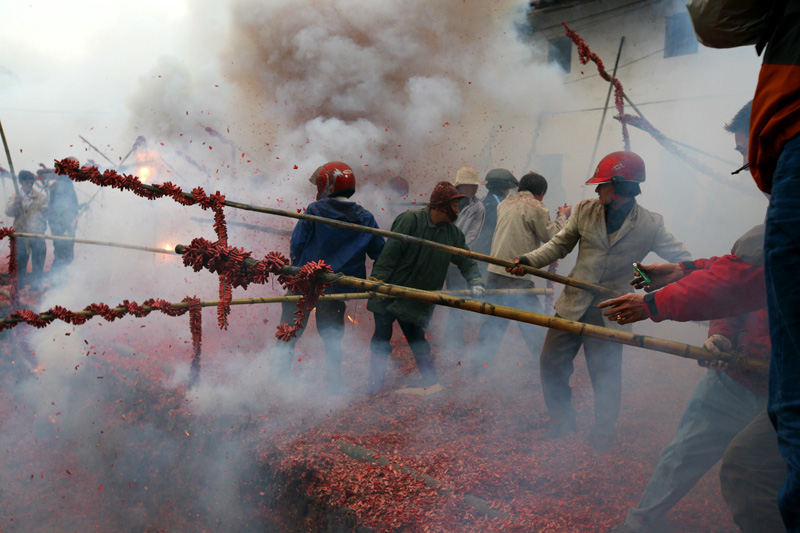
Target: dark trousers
604	361
782	263
751	476
63	252
494	328
330	326
36	251
381	347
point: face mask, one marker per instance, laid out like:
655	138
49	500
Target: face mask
448	210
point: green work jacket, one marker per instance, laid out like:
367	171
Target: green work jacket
419	267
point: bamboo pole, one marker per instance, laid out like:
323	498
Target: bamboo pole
453	250
344	296
578	328
8	156
87	241
96	149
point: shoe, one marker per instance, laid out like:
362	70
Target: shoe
602	438
420	391
560	427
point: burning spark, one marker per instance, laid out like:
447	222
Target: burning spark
39	368
167	247
352	319
144	172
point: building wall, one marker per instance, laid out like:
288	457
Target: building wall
687	97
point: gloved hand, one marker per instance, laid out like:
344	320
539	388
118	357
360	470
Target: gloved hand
477	292
716	344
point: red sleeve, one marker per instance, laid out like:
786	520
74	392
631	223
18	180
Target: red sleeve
727	287
700	264
729	327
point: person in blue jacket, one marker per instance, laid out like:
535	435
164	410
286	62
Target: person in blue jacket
343	249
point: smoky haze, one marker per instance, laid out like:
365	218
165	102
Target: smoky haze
248	98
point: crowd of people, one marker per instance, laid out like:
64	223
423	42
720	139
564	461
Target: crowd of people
750	296
43	199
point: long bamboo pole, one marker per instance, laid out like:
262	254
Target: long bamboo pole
344	296
96	149
88	241
578	328
8	156
538	272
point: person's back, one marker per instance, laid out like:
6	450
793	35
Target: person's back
345	250
523	223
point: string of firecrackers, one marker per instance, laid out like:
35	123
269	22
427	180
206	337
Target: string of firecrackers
585	55
214	202
229	261
196	329
645	125
12	263
110	314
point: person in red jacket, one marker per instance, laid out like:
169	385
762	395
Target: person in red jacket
774	161
727	399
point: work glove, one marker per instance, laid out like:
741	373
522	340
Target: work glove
716	344
477	292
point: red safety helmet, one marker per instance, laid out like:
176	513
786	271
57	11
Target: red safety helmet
334	179
619	166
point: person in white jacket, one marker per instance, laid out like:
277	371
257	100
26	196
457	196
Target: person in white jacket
29	209
471	215
523	224
612	232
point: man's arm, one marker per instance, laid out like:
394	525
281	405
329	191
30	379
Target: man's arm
13	206
668	247
300	236
376	242
561	244
544	228
728	287
394	250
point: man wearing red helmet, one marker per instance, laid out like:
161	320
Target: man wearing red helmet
412	265
611	232
344	250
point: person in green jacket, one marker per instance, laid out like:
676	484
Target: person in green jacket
412	265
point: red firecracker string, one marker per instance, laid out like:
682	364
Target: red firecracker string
214	202
229	261
99	309
585	54
12	264
196	328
